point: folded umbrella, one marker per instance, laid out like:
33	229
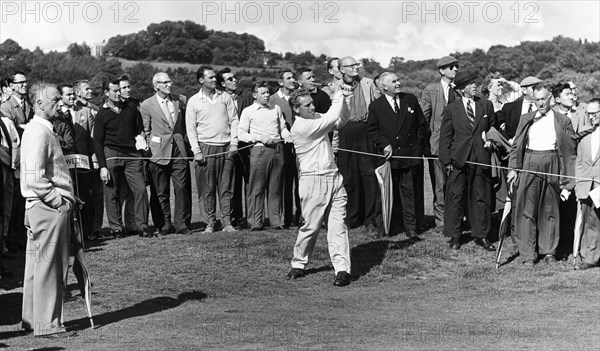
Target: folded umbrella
504	225
384	178
77	244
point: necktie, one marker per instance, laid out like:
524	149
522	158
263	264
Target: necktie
167	111
470	114
451	95
584	133
68	116
396	108
530	107
24	107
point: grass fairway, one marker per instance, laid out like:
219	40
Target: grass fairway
230	292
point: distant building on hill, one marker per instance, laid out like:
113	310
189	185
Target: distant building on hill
98	49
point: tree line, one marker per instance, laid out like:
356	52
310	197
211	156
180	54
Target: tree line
187	42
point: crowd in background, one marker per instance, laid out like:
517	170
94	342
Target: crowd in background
238	136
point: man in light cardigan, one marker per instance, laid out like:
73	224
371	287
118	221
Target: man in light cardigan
212	128
48	191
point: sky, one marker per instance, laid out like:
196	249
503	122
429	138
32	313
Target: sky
378	30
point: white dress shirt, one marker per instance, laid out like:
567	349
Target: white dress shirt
595	143
525	107
542	135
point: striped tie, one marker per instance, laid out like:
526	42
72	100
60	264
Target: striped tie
584	133
470	114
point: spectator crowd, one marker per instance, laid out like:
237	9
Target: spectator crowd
302	153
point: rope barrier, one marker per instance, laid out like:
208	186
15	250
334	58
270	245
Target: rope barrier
470	162
175	158
372	155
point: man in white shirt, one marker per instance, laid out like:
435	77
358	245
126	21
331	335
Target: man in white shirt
587	167
543	143
212	129
322	192
264	126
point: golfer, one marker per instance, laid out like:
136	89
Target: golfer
322	194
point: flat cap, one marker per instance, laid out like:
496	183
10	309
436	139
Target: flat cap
464	78
446	61
530	81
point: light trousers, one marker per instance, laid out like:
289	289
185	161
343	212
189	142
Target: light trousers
323	198
46	267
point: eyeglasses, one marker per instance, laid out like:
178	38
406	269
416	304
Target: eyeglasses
166	82
354	65
21	82
592	114
231	79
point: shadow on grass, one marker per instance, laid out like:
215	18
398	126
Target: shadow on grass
143	308
11	308
368	255
324	268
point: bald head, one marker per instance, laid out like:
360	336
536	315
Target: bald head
162	84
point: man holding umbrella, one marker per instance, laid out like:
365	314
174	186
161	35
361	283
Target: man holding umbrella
397	126
48	190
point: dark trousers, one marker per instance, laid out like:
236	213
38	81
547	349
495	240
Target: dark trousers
437	173
97	200
404	196
590	239
16	238
2	220
290	186
240	183
537	209
179	172
468	188
83	183
215	175
358	172
266	171
568	213
131	172
418	179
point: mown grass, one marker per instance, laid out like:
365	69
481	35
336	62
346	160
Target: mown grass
230	292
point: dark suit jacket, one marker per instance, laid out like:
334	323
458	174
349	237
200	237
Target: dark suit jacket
406	133
162	134
5	152
565	144
63	128
511	114
458	142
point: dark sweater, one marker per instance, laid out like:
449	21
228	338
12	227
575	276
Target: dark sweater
116	131
321	101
